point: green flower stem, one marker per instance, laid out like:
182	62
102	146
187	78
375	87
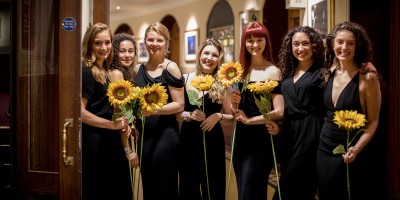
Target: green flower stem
130	170
276	166
267	118
205	161
230	162
141	153
205	152
347	165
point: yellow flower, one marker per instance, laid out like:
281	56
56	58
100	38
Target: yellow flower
120	92
349	119
259	87
202	83
230	73
153	97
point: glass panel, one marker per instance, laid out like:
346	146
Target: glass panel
39	63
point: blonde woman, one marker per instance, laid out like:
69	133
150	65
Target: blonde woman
105	174
159	167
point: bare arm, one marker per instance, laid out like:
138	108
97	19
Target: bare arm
372	109
177	95
93	120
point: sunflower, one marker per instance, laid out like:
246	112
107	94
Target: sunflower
230	73
121	92
259	87
349	119
202	83
153	97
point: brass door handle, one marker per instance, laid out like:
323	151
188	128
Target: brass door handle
68	160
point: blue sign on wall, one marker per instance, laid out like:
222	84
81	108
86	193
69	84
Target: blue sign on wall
68	23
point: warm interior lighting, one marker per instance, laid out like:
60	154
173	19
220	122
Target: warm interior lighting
118	7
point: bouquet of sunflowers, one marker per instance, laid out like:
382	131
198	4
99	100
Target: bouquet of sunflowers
130	100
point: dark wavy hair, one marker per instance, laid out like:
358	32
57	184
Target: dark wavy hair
115	64
288	62
254	29
363	51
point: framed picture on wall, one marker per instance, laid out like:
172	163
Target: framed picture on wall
319	14
225	35
142	51
191	43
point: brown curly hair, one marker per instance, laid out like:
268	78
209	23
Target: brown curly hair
287	62
115	64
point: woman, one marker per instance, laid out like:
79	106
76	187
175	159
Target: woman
252	156
217	108
105	173
301	60
351	86
159	166
121	68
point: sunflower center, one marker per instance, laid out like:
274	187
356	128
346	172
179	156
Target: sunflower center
231	73
120	93
350	120
151	98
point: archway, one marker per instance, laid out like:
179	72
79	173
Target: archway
170	22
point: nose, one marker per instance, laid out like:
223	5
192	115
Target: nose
103	47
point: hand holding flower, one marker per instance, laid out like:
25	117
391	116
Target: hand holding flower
241	116
350	155
120	124
134	159
235	98
272	127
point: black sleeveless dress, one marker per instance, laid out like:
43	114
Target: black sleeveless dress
300	134
192	171
331	169
252	155
105	169
160	143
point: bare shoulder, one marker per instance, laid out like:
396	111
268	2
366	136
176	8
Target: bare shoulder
275	72
115	75
174	69
369	72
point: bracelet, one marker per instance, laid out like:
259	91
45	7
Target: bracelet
222	117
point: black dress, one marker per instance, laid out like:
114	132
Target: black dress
105	169
192	171
252	155
300	134
331	169
160	143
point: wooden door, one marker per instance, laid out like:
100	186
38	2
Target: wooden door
47	97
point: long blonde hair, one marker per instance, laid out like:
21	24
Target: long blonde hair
88	58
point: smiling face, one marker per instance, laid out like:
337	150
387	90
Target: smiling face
344	45
255	45
209	59
156	44
126	54
101	46
301	47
